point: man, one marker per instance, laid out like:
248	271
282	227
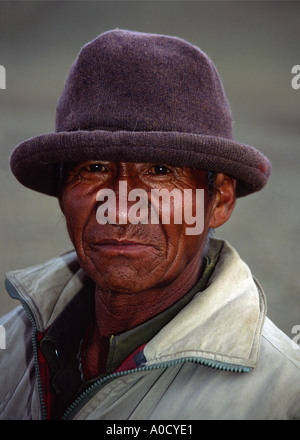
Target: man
149	318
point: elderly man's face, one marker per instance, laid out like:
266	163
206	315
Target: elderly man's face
131	257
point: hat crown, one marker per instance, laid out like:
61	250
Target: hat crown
131	81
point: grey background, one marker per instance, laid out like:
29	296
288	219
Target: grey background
254	46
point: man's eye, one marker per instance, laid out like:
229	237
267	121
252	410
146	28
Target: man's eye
160	169
95	168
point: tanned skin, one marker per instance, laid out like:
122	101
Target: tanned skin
139	270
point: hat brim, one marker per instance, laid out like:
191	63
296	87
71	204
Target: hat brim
34	162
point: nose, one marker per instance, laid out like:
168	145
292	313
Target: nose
132	203
123	203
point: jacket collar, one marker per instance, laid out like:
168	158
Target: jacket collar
221	324
47	288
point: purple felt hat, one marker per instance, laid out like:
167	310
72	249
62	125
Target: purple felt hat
140	97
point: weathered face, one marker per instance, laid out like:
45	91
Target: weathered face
127	257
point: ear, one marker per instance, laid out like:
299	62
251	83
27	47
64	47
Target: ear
224	200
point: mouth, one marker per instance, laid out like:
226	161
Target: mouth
120	247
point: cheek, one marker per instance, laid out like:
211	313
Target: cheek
187	216
182	248
187	239
77	207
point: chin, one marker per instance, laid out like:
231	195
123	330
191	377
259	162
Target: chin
127	288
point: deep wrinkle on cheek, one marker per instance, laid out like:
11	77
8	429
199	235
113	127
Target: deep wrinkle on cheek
78	208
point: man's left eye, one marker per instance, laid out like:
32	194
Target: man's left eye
160	169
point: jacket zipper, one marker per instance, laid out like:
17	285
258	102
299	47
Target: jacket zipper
96	386
80	401
14	294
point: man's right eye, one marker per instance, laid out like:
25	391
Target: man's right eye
95	168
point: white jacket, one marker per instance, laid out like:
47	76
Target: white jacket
219	358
